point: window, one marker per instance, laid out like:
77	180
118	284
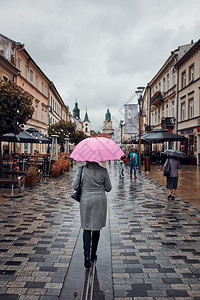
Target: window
191	73
5	79
19	64
36	112
167	110
129	114
26	71
172	109
42	119
159	86
152	118
45	90
36	81
42	87
173	76
163	85
191	108
163	111
45	116
31	76
156	118
167	81
183	111
183	79
159	115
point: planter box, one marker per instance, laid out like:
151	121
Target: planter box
31	181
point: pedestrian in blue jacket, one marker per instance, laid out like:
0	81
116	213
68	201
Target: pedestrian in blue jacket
133	157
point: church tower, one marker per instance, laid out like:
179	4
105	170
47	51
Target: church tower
76	111
108	124
86	124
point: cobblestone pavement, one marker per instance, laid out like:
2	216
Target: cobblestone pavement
155	243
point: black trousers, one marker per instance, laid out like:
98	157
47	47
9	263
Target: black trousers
88	237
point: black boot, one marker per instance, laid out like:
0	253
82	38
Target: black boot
93	257
87	262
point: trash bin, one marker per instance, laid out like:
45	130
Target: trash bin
147	164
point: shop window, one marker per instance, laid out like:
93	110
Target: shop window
192	144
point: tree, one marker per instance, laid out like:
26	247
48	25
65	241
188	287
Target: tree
15	109
78	136
66	129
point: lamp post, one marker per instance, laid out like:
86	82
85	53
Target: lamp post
140	99
67	144
121	127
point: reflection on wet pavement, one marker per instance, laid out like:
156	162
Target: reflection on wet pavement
155	243
188	184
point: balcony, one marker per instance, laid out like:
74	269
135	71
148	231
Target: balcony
157	98
168	122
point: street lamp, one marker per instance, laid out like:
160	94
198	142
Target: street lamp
140	99
67	144
121	127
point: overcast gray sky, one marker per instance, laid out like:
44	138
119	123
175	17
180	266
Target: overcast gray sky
100	51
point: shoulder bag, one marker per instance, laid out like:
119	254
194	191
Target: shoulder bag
167	169
77	195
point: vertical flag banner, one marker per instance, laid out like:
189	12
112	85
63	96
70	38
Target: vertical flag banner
131	118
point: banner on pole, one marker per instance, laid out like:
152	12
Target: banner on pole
131	118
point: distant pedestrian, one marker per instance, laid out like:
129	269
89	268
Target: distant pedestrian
172	179
124	159
93	205
133	162
121	167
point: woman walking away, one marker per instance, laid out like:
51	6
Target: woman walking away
172	178
93	206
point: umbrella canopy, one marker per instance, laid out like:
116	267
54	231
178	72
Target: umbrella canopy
26	137
135	139
97	149
175	153
40	138
161	135
10	137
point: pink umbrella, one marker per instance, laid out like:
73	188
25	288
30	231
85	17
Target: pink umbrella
96	149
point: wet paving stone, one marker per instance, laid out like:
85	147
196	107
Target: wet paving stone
155	243
9	297
165	228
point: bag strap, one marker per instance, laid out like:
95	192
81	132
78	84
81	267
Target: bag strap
81	175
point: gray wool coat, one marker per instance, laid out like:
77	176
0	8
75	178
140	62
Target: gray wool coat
93	203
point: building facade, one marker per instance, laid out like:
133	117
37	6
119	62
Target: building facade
189	100
48	105
172	99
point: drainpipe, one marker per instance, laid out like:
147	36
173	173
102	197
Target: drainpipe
177	94
150	144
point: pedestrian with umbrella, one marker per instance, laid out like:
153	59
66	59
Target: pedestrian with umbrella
95	182
174	164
